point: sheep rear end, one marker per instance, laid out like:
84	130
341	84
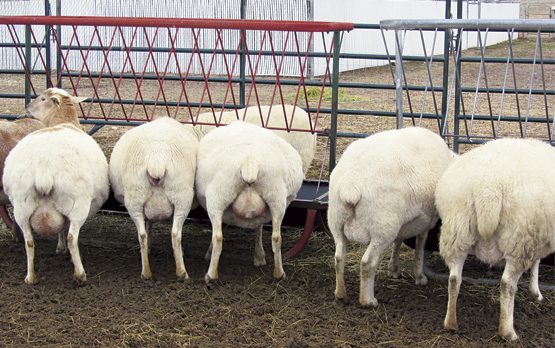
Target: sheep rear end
46	220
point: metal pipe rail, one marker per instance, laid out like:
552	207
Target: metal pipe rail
197	23
497	83
86	45
528	25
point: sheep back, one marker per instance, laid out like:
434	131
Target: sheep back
153	166
273	116
497	200
385	181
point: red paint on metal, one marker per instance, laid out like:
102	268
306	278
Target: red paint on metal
308	227
203	23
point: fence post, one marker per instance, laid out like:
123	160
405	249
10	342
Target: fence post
58	51
28	64
399	78
334	98
446	49
242	62
458	90
310	64
47	43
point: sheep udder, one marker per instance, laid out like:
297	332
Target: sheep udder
249	204
46	220
158	207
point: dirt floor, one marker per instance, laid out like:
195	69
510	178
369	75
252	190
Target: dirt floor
247	307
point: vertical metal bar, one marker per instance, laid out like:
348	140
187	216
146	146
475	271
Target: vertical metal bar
28	64
444	102
458	89
47	43
242	62
399	78
310	68
334	98
59	50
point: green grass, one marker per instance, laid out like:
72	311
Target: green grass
313	94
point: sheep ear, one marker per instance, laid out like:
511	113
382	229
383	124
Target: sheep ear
56	99
77	100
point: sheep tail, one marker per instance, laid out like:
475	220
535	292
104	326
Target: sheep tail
488	204
44	183
249	170
156	171
350	196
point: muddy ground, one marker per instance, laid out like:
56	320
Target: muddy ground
247	307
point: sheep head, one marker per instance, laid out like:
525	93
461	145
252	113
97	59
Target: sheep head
54	106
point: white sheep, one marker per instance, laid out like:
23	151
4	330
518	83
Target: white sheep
10	134
246	176
55	178
41	112
273	117
152	172
496	201
382	192
55	106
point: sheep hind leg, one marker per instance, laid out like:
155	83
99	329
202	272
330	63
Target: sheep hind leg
30	250
534	287
259	254
340	253
177	231
393	270
140	224
419	276
279	273
17	234
216	250
509	281
61	247
455	265
79	274
148	227
368	266
208	254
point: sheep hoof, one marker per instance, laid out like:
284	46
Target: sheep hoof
61	251
212	283
208	279
373	303
183	278
395	274
80	279
538	297
146	277
509	336
31	280
344	300
451	325
259	262
422	280
278	276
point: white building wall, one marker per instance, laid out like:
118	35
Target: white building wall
363	41
370	41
